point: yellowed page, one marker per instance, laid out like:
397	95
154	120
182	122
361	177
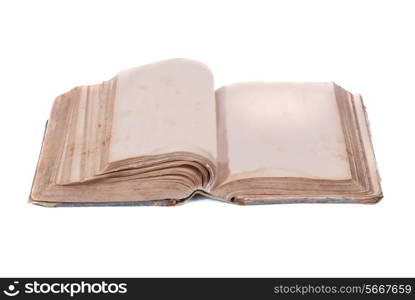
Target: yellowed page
280	130
164	107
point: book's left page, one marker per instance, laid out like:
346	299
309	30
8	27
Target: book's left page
146	136
164	107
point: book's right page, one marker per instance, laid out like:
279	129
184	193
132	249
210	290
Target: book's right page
293	142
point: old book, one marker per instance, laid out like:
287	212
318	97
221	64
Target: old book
159	134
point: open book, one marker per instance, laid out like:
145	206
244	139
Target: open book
159	134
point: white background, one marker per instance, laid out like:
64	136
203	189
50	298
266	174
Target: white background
48	47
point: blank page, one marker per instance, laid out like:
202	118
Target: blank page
164	107
280	130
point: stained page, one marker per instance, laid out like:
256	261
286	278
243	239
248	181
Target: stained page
164	107
280	130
